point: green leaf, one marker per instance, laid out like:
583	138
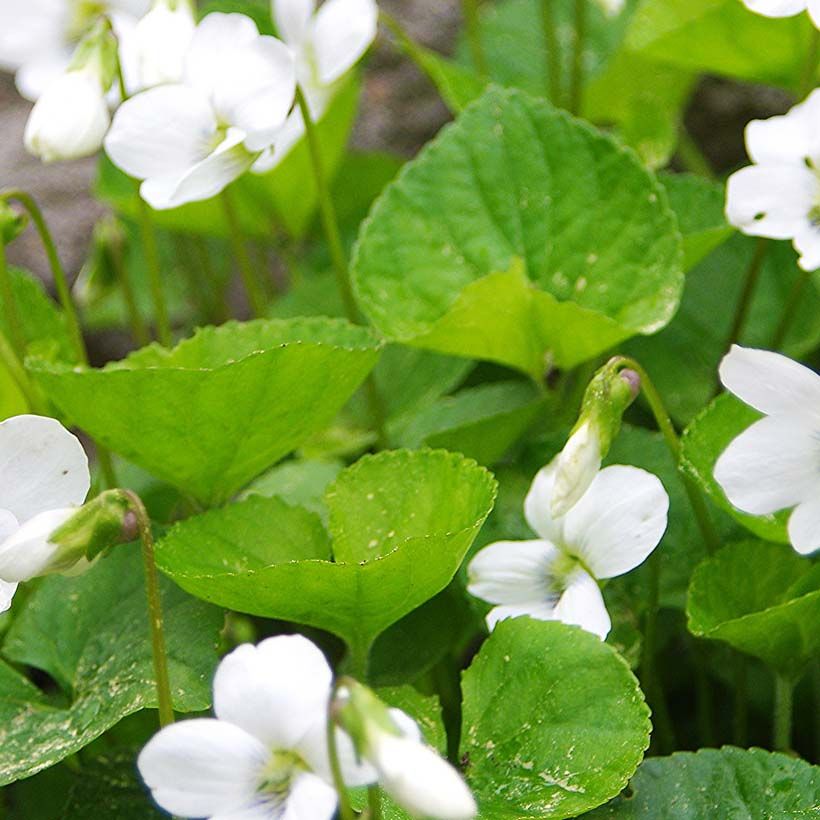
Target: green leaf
683	358
42	323
401	523
522	220
719	783
222	406
554	722
699	205
285	196
645	113
702	444
481	422
762	599
722	37
90	633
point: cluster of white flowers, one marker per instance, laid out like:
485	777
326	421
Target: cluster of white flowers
44	477
265	755
618	520
205	102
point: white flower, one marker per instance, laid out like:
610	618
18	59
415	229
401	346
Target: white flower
415	776
43	476
612	7
70	119
326	44
160	42
264	756
577	465
189	140
611	530
779	196
785	8
37	37
775	464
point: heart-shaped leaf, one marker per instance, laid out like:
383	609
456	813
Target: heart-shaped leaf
222	406
523	236
91	635
719	783
762	599
401	523
554	722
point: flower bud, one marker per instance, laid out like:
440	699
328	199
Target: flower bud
611	390
71	117
413	774
98	276
12	223
161	40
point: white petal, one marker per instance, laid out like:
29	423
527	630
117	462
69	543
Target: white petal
7	591
772	201
814	12
788	139
8	524
310	799
538	502
35	76
807	243
583	605
577	465
216	42
42	466
776	8
771	465
278	691
771	382
512	572
160	132
202	181
539	610
343	30
202	767
257	90
292	18
618	522
406	725
69	120
29	30
420	781
28	552
804	526
160	42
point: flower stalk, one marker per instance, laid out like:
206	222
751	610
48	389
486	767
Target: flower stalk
553	56
783	713
253	286
345	809
469	9
160	656
333	235
151	251
576	88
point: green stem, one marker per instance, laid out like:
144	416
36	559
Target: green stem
576	88
807	80
345	809
160	656
469	9
151	251
57	271
328	213
357	662
338	256
790	309
13	323
253	286
670	436
9	358
374	803
552	55
783	707
64	297
740	718
744	304
139	330
703	687
692	157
